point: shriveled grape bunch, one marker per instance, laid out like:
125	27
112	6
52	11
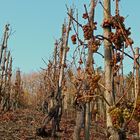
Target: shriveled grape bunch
118	37
85	16
87	31
94	45
121	35
86	83
73	39
116	58
93	82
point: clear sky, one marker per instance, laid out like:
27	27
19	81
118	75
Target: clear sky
37	23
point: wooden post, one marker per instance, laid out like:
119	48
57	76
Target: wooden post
61	75
137	74
87	121
4	42
62	43
2	86
55	60
137	79
10	73
3	68
108	72
89	65
8	80
6	67
108	58
54	70
3	58
17	90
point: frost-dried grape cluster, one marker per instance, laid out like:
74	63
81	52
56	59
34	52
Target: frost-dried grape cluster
88	32
94	45
116	58
85	16
73	39
121	35
80	61
87	84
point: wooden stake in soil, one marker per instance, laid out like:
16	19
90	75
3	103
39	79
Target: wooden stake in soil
137	89
89	66
108	58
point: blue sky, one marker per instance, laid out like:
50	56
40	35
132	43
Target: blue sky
37	23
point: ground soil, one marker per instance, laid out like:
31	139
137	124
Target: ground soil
22	124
